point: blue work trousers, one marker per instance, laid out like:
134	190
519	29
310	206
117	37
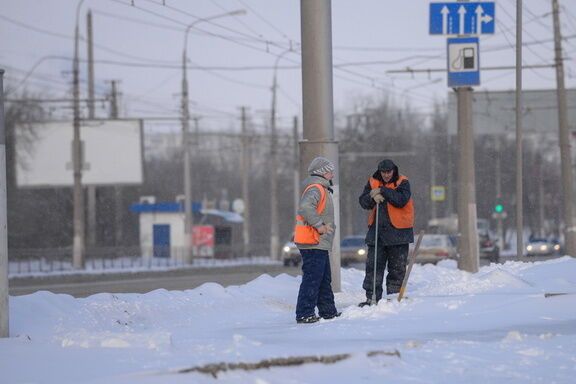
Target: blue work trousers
316	288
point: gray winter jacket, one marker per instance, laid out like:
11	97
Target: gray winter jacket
307	209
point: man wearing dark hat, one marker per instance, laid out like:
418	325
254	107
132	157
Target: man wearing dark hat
387	194
314	234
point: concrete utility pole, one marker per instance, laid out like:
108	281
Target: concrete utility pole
541	216
4	308
113	100
91	108
519	154
564	140
188	249
274	225
498	182
449	181
433	203
188	223
467	227
91	216
91	189
245	170
296	166
118	211
78	247
318	105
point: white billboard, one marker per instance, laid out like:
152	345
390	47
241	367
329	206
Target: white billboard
112	154
494	112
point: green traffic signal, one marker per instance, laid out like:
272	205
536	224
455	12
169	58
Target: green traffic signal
499	208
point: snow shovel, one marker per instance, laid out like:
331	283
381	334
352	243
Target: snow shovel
410	264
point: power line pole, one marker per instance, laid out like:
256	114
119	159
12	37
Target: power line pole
498	182
186	159
118	192
188	218
449	172
90	42
245	184
564	139
318	105
114	100
91	189
541	216
274	235
296	167
4	308
433	211
91	213
519	157
78	246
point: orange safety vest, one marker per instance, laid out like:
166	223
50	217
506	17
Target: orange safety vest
401	218
304	233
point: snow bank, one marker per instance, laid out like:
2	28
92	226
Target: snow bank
498	325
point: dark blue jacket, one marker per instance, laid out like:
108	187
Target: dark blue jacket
387	234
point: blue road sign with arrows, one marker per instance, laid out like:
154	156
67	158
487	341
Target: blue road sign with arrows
473	18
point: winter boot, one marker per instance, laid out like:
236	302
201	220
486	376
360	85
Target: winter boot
308	319
334	315
368	303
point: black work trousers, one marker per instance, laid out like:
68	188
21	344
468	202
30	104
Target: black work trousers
393	258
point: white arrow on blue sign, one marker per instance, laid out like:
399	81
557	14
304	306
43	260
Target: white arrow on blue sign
474	18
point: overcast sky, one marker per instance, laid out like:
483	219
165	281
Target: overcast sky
231	59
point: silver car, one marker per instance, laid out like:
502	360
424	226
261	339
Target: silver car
541	247
353	250
436	247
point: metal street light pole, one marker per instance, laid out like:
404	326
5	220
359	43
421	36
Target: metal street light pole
274	235
519	146
185	136
4	305
78	244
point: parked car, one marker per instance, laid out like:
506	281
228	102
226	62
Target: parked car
436	247
488	246
291	254
353	250
541	247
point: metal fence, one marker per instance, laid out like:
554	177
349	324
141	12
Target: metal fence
54	260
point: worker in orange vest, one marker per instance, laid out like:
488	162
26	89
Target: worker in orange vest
389	192
314	234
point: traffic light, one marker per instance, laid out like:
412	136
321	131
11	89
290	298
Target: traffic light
499	208
499	211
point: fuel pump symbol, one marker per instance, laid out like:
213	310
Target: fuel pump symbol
464	59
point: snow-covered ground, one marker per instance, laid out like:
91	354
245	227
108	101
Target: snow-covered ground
495	326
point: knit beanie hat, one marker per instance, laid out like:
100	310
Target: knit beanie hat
386	165
320	166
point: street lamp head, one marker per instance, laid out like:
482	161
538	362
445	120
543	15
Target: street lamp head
237	12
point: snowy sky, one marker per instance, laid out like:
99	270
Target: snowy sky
141	46
495	326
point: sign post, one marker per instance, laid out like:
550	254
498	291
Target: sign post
466	20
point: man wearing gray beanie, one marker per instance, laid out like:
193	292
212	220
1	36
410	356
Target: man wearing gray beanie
314	234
